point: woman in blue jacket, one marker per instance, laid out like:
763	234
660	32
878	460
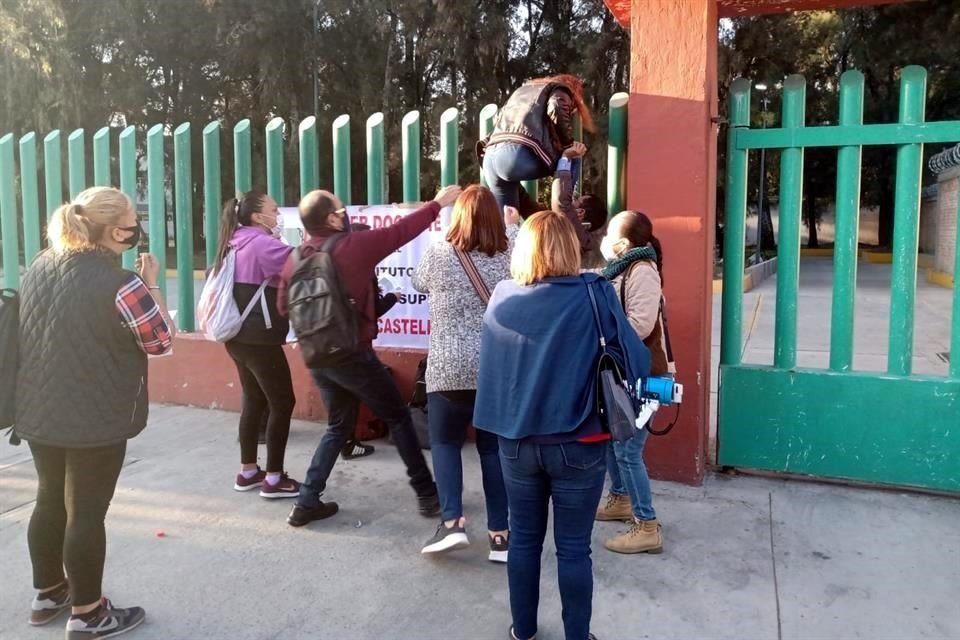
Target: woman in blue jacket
536	391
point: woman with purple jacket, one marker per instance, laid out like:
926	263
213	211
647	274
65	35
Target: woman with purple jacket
249	226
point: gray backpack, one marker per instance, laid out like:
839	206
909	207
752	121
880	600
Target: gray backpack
323	316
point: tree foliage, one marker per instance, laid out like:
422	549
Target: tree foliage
821	45
77	63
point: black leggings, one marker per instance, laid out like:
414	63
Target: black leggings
66	529
267	388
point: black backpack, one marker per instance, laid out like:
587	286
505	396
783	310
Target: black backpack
322	314
9	356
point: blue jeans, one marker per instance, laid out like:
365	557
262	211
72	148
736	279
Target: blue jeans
448	416
506	165
571	474
628	474
362	378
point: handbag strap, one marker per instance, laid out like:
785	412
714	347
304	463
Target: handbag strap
596	316
666	330
473	274
262	299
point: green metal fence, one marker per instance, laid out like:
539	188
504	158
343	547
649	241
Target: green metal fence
892	428
22	213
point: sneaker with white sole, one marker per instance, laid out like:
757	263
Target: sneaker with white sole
446	539
107	622
499	546
286	488
48	606
243	483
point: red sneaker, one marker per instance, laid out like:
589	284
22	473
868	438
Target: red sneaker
286	488
249	484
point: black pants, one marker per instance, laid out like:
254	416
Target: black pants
66	530
267	388
362	378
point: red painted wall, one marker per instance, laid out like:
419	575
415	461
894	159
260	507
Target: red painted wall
201	374
671	176
621	9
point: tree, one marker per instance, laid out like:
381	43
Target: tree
821	45
76	63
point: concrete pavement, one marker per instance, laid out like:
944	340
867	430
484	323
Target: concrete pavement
745	557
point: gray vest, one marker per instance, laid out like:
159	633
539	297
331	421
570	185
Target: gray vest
83	379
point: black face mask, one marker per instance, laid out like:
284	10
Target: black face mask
134	239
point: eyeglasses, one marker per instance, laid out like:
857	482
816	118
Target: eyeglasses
342	211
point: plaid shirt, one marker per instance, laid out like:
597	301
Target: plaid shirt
142	316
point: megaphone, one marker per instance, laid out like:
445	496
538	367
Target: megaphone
653	393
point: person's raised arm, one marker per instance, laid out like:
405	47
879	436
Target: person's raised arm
380	243
561	197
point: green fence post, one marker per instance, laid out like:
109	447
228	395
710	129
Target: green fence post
955	330
31	197
8	215
791	197
212	197
341	158
274	134
532	188
735	222
242	176
309	162
846	244
906	225
128	181
77	170
52	175
156	202
410	141
376	169
487	116
449	147
101	157
183	190
617	152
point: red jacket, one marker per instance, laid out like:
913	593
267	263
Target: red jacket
355	256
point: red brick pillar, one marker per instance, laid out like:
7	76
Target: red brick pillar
671	176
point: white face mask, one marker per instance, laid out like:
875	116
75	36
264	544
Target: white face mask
606	249
276	230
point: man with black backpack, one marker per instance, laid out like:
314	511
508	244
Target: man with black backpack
327	291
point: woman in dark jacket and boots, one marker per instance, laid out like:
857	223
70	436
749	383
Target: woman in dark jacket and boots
531	133
86	327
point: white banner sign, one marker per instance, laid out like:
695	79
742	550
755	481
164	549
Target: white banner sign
407	324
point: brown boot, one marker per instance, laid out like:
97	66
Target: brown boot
615	508
643	537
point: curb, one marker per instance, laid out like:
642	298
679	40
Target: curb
940	278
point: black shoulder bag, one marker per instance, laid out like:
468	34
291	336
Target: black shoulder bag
614	403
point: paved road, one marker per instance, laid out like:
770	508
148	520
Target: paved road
746	558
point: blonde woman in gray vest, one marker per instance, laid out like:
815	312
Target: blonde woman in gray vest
86	327
459	273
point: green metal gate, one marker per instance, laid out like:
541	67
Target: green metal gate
891	428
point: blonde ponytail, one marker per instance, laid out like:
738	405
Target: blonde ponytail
79	225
